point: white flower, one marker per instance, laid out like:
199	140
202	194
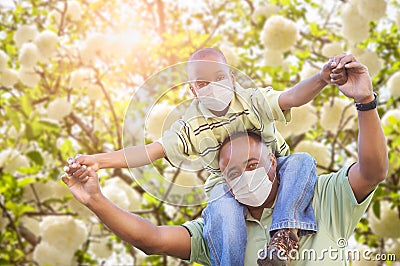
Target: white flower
96	45
184	178
273	58
372	10
388	224
372	61
25	33
80	78
28	55
59	108
11	160
78	208
230	55
8	77
100	248
133	197
31	224
266	10
160	119
303	119
394	85
116	195
398	20
94	92
3	60
47	254
28	76
44	191
390	115
317	150
355	27
64	232
332	49
308	71
279	33
46	42
342	111
74	11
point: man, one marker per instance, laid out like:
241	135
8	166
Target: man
339	200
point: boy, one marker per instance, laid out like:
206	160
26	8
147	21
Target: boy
222	107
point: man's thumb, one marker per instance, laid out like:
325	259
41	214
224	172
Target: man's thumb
65	179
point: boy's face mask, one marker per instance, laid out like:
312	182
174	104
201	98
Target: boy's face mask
252	188
216	96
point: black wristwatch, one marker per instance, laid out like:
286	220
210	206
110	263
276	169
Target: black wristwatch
367	106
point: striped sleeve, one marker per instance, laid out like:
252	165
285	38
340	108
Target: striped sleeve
273	110
176	143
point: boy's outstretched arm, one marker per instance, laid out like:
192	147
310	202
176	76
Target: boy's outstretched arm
133	156
306	90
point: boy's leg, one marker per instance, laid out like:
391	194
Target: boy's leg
293	215
297	173
225	227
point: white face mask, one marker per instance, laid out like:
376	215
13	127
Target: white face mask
216	96
252	188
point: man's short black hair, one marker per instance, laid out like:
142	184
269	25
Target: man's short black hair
251	134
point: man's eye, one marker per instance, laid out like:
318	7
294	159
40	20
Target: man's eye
253	166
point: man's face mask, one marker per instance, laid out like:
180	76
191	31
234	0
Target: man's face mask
252	188
216	96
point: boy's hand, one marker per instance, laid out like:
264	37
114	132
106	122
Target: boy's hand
83	184
75	163
332	75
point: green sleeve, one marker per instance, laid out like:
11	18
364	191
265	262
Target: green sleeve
199	251
339	210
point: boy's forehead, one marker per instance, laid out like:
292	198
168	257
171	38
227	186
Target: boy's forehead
204	69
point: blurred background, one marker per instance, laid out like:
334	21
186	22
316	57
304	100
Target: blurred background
69	69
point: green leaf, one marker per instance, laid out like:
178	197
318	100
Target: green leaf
36	157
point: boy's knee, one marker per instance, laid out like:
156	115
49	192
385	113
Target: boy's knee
303	158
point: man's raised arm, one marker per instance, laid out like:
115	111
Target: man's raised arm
372	167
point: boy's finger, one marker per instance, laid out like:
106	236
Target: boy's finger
79	171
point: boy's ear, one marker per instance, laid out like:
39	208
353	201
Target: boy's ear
233	77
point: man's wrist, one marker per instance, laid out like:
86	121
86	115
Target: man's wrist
365	99
95	200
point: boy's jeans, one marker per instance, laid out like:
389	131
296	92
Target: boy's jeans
225	227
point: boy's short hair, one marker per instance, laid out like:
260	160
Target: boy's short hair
204	52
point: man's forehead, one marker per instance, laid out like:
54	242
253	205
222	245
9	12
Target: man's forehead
239	150
204	68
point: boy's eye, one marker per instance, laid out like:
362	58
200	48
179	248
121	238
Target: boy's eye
201	84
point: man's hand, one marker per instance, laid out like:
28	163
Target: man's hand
340	75
358	85
75	163
83	184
